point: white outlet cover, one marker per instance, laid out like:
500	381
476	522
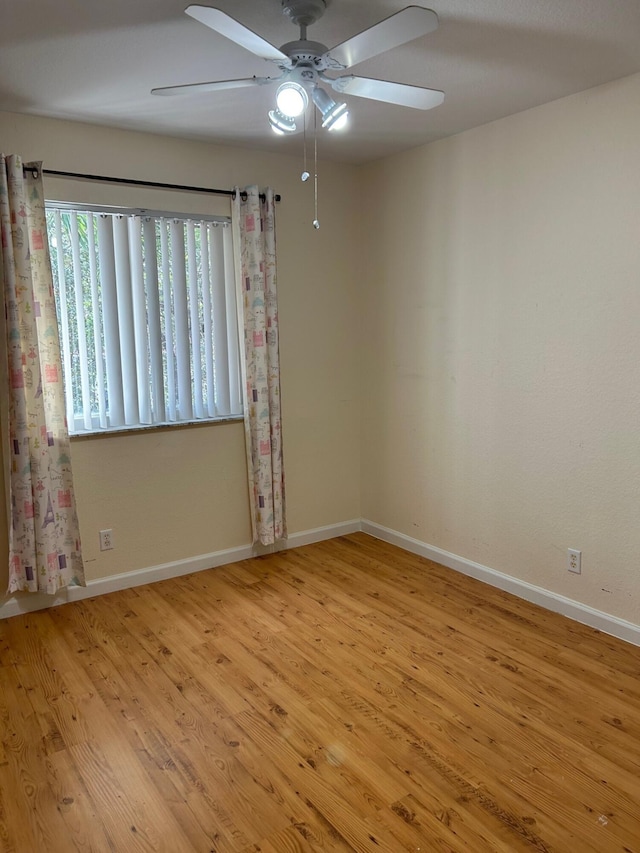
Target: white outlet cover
106	540
574	561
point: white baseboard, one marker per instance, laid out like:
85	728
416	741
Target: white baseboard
319	534
628	631
604	622
29	602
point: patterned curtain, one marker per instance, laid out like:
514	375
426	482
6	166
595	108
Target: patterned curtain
255	247
44	541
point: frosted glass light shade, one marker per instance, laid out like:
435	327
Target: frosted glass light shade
281	123
292	99
337	118
334	116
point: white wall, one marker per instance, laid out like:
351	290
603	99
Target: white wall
170	495
501	380
488	340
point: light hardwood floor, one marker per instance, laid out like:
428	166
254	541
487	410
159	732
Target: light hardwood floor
341	696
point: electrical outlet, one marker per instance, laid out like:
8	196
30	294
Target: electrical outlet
574	563
106	540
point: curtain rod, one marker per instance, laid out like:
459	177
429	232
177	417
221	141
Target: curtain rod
132	182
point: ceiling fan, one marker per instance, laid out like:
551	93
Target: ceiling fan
303	64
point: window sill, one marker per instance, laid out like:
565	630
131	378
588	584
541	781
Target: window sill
142	430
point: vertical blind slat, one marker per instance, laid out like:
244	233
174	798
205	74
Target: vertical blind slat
113	362
139	319
207	318
169	314
235	379
125	321
153	308
180	307
64	321
85	387
194	319
221	347
97	322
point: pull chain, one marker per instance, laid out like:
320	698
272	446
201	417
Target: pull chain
316	222
305	174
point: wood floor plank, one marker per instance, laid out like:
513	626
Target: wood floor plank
27	769
240	807
86	833
343	696
307	821
110	756
16	834
357	692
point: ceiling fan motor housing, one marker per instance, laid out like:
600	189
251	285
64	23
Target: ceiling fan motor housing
304	52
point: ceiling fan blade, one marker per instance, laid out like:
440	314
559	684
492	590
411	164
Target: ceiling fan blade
404	26
228	27
392	93
214	86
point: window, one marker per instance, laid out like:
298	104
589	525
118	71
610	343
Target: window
147	314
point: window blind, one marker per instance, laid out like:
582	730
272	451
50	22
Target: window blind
147	310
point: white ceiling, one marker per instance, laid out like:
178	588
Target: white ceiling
96	61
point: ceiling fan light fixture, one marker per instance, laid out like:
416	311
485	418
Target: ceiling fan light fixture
292	99
334	116
337	118
302	64
280	123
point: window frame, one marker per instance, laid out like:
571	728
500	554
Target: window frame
78	428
